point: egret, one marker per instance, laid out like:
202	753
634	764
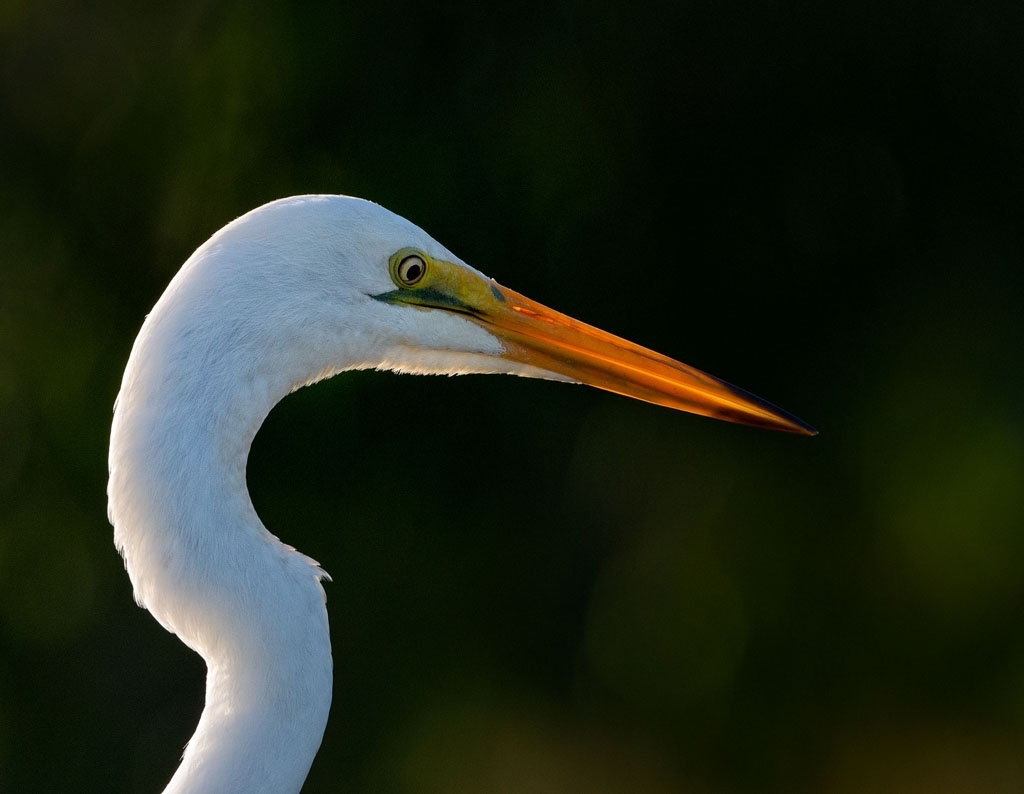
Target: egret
293	292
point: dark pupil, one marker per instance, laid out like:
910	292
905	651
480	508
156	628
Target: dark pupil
413	269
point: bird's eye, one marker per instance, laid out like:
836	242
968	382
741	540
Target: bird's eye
411	269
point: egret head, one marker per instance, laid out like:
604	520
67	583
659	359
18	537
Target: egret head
342	283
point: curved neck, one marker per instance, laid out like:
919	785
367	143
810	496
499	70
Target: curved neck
262	722
203	564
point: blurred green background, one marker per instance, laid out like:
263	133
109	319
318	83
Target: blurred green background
564	591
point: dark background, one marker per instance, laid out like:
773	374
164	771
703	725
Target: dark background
549	588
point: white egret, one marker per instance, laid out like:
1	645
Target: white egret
296	291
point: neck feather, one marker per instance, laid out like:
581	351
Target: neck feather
203	564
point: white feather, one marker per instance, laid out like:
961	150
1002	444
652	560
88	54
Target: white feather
277	299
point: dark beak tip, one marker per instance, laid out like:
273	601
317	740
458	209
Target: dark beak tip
786	422
806	430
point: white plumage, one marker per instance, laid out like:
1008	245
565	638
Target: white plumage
295	291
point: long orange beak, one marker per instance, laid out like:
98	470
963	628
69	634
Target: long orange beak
541	337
